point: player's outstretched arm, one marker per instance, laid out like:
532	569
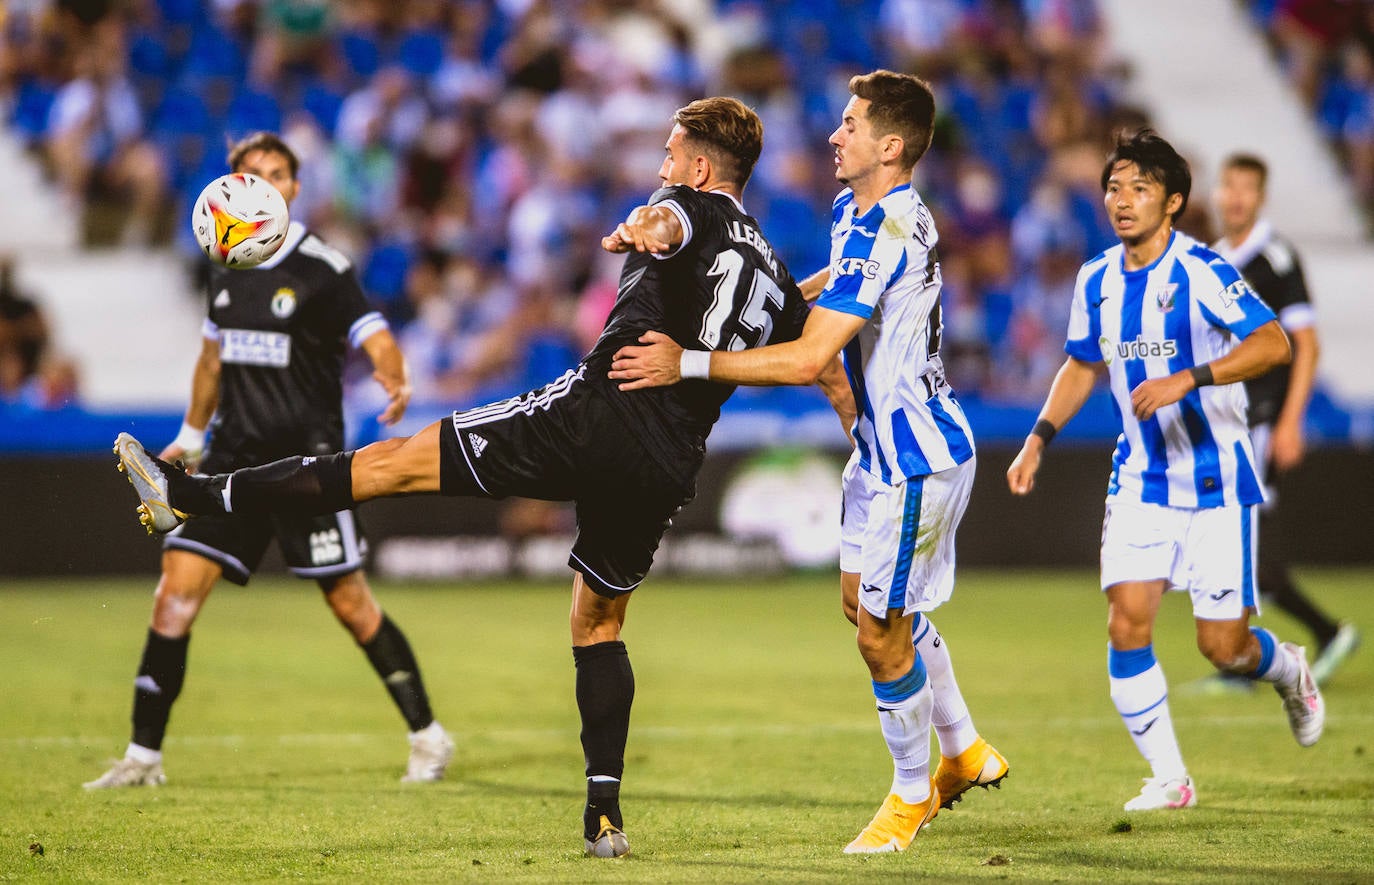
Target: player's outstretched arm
1257	353
658	361
646	229
389	369
1072	386
190	442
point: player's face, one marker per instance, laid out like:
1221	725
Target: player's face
1237	199
856	150
1136	205
273	167
679	165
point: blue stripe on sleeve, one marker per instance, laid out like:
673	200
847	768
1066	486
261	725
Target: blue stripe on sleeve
1088	350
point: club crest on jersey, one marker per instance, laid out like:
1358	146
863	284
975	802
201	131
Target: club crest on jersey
222	299
284	303
1164	298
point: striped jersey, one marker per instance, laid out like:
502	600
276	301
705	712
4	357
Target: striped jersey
1187	308
884	268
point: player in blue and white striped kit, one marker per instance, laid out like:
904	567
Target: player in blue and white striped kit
1176	328
908	481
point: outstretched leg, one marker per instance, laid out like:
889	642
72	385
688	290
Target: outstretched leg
308	485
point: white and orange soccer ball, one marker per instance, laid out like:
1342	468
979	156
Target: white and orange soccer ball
240	220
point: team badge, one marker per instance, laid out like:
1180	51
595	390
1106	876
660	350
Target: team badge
1165	298
222	299
284	303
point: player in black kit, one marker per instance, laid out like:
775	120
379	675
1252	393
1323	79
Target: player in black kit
698	269
270	373
1278	399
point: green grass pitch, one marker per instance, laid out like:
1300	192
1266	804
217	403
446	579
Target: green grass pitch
754	751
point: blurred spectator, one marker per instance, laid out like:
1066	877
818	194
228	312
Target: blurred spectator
471	152
24	334
94	136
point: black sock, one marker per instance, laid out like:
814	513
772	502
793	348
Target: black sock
605	692
393	660
1276	585
603	799
160	676
298	485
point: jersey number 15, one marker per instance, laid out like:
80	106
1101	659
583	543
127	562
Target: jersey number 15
728	267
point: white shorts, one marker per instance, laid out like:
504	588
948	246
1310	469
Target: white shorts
1210	552
900	538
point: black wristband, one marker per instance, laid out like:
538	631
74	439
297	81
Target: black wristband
1044	429
1202	375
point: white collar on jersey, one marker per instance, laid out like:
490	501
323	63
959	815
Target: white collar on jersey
295	232
730	197
1244	252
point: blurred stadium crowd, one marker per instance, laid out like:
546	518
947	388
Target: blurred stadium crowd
470	154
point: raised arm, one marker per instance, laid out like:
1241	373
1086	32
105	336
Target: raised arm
646	229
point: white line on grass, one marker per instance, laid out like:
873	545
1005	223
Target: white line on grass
663	732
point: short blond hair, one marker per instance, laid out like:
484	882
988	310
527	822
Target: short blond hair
727	131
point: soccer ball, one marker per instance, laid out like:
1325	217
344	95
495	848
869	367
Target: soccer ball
240	220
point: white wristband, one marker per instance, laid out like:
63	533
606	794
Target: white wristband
695	364
190	439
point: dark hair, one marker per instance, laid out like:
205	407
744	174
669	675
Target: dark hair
1249	163
727	131
1156	159
262	141
901	105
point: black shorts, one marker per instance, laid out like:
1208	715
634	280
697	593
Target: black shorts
563	442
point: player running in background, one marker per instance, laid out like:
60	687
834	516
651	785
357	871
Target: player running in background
1278	398
908	480
698	266
270	374
1177	328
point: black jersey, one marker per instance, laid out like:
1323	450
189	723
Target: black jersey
283	328
723	288
1270	265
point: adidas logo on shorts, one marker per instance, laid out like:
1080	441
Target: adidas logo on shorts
479	444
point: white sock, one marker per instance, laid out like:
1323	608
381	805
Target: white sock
142	754
1142	698
949	714
1275	665
905	723
434	729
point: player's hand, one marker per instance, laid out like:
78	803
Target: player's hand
174	453
1287	446
1021	473
656	364
398	398
1156	393
628	236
